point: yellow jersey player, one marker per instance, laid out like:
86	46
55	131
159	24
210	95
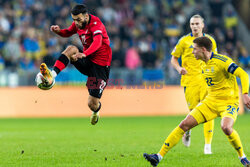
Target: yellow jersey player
222	100
191	80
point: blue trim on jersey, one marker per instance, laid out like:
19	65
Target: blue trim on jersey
232	68
219	58
191	34
222	58
212	55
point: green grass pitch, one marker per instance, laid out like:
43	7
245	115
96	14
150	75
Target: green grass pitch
113	142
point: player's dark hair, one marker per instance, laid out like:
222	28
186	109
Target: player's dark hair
79	8
204	42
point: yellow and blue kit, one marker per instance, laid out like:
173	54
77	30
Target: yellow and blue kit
223	94
184	49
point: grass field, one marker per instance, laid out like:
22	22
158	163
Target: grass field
113	142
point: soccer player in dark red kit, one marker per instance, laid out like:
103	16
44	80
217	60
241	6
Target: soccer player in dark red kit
94	61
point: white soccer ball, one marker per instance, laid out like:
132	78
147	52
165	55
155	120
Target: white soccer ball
42	83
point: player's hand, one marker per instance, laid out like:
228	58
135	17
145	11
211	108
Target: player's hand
77	56
80	55
73	58
246	100
182	71
55	28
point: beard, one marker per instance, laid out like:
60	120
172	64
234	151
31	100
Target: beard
83	25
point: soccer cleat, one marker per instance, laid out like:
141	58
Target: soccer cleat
47	75
152	158
186	138
94	118
245	162
207	149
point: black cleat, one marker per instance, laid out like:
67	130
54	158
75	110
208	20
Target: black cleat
245	162
152	158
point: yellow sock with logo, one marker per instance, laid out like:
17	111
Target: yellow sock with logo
171	140
208	131
234	139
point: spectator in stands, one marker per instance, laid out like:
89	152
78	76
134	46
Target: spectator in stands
132	59
4	23
11	52
30	44
130	21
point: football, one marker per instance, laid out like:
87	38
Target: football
42	83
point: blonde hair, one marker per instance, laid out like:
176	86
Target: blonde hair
198	16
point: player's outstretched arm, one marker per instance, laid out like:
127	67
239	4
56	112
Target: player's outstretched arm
55	28
64	32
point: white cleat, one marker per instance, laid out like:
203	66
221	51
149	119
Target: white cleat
207	149
94	118
186	139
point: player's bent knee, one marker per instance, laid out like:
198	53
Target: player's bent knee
184	125
93	105
227	129
70	50
188	123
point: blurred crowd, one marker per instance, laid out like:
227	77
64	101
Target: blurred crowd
142	32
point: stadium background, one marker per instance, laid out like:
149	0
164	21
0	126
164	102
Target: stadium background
145	85
142	33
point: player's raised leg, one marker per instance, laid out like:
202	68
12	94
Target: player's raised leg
65	57
234	139
60	64
95	105
208	134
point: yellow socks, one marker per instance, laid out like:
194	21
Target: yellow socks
234	139
171	140
208	131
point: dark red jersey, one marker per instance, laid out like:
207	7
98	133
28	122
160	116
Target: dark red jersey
100	52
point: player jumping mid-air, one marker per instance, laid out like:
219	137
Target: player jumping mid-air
95	59
222	100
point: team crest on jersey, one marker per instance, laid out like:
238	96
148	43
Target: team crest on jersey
191	46
83	39
95	22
